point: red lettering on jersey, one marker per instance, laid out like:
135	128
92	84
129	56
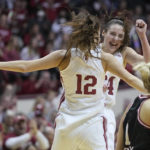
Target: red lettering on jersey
110	84
86	86
79	80
110	88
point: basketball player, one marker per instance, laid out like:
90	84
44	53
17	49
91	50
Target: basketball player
134	128
80	124
115	36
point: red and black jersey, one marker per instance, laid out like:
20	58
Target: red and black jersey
136	133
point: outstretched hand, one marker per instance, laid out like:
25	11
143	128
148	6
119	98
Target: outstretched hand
141	27
33	128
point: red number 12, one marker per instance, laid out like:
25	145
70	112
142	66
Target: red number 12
87	85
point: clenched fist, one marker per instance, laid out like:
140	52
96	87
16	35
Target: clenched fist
141	27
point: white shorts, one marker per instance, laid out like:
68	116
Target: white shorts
90	135
111	127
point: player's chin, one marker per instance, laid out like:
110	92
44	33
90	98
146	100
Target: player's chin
113	50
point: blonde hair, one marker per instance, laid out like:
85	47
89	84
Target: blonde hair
144	69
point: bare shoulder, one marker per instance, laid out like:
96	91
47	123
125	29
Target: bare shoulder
108	61
59	53
145	112
109	58
106	56
52	60
65	59
127	50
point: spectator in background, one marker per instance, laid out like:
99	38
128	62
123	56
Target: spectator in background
65	38
21	138
138	12
43	125
41	43
17	16
48	49
42	21
45	83
33	31
30	52
2	83
51	105
2	45
5	32
12	49
11	52
39	100
59	31
7	122
51	9
123	5
39	115
134	39
9	98
51	37
20	13
2	5
28	85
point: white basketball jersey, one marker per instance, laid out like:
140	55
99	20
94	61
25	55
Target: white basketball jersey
83	83
112	82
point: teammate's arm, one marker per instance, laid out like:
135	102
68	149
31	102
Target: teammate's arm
50	61
112	65
119	144
131	57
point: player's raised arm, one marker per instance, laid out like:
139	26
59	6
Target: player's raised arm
141	28
130	56
116	68
50	61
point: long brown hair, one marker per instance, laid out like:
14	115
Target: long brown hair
85	35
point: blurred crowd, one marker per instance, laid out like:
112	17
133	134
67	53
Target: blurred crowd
30	29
